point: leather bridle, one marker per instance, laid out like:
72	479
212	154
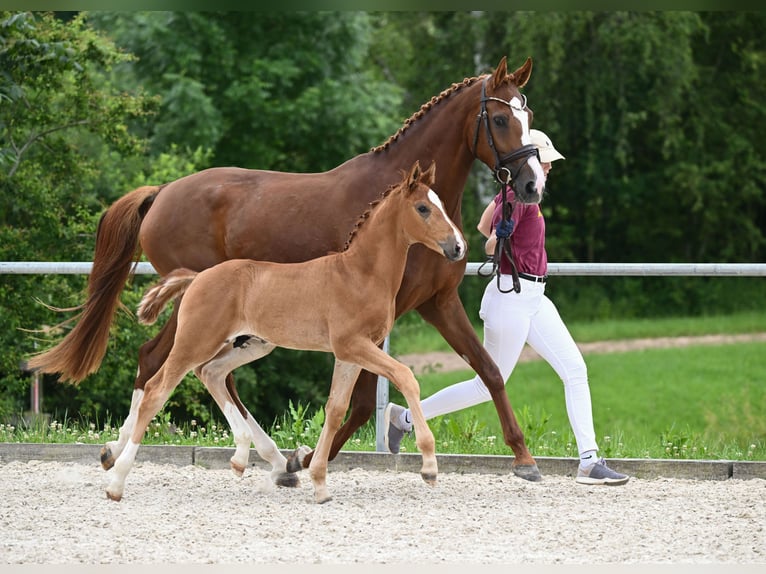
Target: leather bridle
505	176
503	173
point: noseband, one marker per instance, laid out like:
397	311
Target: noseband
503	173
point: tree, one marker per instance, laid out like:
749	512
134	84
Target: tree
291	91
65	138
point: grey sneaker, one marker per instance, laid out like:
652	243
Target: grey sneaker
392	435
600	473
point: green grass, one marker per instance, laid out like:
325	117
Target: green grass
698	402
694	402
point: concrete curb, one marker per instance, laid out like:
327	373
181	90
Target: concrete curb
218	458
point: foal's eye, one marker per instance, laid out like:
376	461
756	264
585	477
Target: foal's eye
423	209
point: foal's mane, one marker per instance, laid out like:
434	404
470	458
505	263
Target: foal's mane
366	215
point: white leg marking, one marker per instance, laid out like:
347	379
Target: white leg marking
122	466
127	427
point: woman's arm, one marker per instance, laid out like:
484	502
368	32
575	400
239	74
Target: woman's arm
485	228
485	222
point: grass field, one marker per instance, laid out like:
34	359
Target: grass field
692	402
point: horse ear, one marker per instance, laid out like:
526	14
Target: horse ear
499	76
429	177
521	76
412	179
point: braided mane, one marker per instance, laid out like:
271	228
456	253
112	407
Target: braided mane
425	108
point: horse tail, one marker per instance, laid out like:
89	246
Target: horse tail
173	285
81	351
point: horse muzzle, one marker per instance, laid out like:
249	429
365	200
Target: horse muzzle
454	249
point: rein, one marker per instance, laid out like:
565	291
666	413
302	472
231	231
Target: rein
502	245
504	176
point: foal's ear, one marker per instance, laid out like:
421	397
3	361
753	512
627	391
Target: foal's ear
414	176
521	76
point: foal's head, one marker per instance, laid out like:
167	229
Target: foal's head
422	215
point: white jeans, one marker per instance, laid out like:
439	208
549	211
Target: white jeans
511	320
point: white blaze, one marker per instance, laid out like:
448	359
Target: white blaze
526	139
458	236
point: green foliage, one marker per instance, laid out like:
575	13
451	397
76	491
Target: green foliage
270	90
296	428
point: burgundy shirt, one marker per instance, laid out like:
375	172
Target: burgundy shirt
527	239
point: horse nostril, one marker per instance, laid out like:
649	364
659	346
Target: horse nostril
531	188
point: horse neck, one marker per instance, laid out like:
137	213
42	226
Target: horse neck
439	134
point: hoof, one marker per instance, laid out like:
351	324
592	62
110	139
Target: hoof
115	497
295	460
528	472
289	479
323	499
429	478
293	464
107	460
237	469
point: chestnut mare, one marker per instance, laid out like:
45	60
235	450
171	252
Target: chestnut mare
240	310
228	213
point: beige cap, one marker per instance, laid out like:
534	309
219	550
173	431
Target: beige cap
543	143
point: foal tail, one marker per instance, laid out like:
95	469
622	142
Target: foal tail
173	285
81	351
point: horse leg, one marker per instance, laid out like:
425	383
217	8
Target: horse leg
343	377
448	315
156	392
151	357
363	401
245	428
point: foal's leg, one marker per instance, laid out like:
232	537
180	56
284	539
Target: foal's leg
363	401
448	315
376	360
245	428
343	377
156	392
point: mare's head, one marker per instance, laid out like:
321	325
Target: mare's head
422	214
501	136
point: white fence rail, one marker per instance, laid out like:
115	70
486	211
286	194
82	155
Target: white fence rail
633	269
570	269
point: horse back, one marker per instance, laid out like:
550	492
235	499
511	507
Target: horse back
228	213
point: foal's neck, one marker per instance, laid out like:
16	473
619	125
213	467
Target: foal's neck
379	246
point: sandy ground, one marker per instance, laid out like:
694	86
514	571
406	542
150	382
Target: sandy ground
54	513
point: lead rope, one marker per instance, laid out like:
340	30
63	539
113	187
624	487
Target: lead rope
503	244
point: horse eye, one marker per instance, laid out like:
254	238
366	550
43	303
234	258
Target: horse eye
500	121
423	209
